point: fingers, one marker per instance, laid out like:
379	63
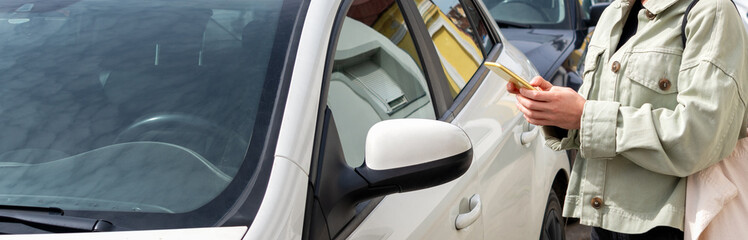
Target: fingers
543	96
532	104
538	81
534	117
513	89
544	85
551	94
564	110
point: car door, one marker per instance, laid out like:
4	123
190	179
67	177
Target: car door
504	167
457	44
422	59
515	170
505	191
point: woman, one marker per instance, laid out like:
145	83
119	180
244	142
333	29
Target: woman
650	113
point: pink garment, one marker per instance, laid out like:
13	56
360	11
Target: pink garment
717	199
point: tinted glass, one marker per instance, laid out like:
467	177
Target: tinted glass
482	35
540	13
131	106
376	75
459	44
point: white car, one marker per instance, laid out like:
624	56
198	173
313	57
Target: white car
267	119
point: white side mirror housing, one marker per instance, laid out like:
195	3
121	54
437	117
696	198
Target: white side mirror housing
401	143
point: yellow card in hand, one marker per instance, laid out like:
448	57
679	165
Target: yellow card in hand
507	74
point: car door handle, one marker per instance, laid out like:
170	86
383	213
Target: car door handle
526	137
466	219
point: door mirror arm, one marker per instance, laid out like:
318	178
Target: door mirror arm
402	155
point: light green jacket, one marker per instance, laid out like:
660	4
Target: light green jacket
655	113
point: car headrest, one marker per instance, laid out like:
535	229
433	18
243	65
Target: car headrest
154	37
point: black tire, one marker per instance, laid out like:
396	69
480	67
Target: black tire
553	224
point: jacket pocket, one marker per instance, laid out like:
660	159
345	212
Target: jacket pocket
653	79
656	71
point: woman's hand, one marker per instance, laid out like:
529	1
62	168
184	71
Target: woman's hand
553	106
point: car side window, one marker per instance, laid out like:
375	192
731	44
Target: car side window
376	75
461	39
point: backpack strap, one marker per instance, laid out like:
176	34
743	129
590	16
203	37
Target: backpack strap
685	20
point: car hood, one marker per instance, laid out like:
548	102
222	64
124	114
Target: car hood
546	48
227	233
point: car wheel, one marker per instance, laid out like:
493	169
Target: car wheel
553	223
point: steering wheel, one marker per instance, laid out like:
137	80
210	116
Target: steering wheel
221	146
526	7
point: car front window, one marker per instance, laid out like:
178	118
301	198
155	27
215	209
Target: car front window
528	12
124	107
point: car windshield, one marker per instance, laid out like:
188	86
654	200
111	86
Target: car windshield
133	106
528	13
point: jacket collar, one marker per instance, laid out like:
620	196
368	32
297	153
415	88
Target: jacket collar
657	6
654	6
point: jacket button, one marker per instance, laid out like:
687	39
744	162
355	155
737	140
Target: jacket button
596	203
616	66
650	15
665	84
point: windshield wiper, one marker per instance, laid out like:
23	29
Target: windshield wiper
53	218
512	24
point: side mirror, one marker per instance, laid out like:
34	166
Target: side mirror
401	155
414	154
595	12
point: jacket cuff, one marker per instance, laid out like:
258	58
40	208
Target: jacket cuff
597	134
559	139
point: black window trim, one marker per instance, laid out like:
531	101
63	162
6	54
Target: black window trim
321	112
472	86
480	7
458	102
471	10
492	55
245	209
432	66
